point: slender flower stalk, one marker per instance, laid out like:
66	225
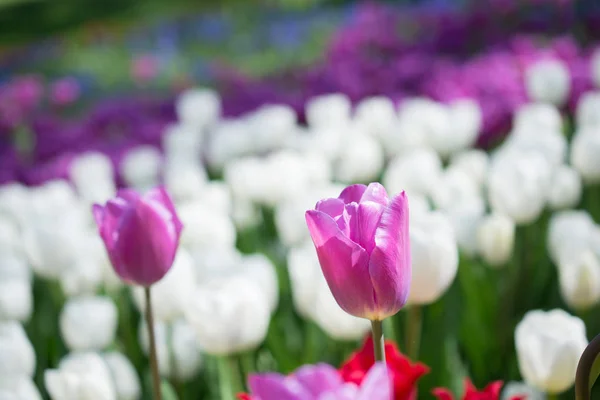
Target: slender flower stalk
413	331
153	358
378	342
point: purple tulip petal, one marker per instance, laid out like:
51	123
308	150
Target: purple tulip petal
347	391
318	378
161	199
277	387
352	193
331	207
377	385
389	265
344	263
377	193
363	221
129	195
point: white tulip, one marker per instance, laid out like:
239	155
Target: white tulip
585	148
245	213
184	181
10	235
229	316
271	126
361	158
125	378
16	298
328	110
182	144
552	145
18	388
570	234
177	348
549	345
16	352
199	107
88	323
86	273
496	239
81	376
465	219
229	140
215	261
565	189
376	115
170	294
580	280
586	114
542	117
454	188
141	167
464	119
217	196
417	172
258	268
548	81
92	175
326	141
521	390
14	202
434	255
475	163
204	226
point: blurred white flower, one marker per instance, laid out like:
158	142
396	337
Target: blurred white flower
16	298
360	160
18	388
245	213
229	315
496	239
313	299
549	344
328	110
82	376
570	234
270	127
170	294
88	323
325	141
204	226
229	140
521	390
16	352
542	117
552	145
184	181
376	115
10	235
454	188
464	123
217	196
141	167
548	81
580	280
565	189
87	272
93	176
199	107
465	218
210	262
258	268
586	114
125	378
474	163
416	172
585	148
434	255
14	202
182	144
177	348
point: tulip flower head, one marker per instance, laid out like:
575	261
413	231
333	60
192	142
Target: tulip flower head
362	243
141	234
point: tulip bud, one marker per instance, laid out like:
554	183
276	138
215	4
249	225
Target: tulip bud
16	352
465	219
141	234
92	174
453	189
229	140
328	110
18	388
464	122
184	180
549	344
205	227
434	257
586	114
585	148
182	144
376	115
141	166
271	126
552	145
571	233
580	280
170	295
16	298
258	268
521	390
80	376
124	375
474	163
85	274
423	123
496	239
542	117
401	172
360	160
199	107
366	265
548	81
565	189
229	316
88	323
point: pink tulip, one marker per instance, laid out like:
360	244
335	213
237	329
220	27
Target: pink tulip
363	247
141	234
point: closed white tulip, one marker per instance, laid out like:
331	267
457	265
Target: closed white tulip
328	110
465	218
580	280
125	378
88	323
16	352
570	234
270	127
211	262
549	345
474	163
586	114
565	189
16	298
18	388
198	107
141	167
10	235
464	123
229	316
86	273
454	188
376	116
361	158
82	376
229	139
417	172
258	268
184	180
434	255
245	213
496	239
585	148
182	144
552	145
92	175
204	226
14	202
548	81
542	117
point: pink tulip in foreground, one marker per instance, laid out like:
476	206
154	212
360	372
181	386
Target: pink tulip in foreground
141	234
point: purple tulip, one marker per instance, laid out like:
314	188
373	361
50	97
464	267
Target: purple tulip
363	247
141	234
320	381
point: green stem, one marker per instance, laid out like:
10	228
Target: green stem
226	379
248	365
551	396
153	358
378	343
414	323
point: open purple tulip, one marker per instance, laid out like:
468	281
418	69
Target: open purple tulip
141	234
363	247
320	381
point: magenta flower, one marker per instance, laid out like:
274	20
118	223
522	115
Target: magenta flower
141	234
320	381
363	247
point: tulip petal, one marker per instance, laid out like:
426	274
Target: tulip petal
352	194
377	193
318	378
344	265
363	219
389	266
347	391
160	197
276	387
128	195
377	384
